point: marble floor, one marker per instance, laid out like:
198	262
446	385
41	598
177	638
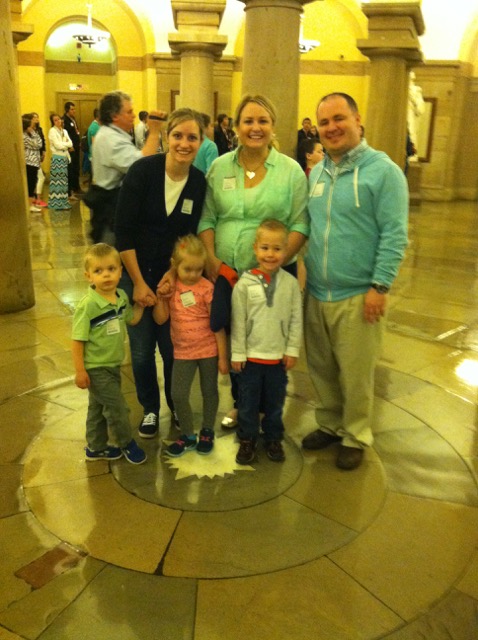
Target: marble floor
201	549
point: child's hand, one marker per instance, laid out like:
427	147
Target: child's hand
164	289
82	379
167	284
289	362
238	366
223	366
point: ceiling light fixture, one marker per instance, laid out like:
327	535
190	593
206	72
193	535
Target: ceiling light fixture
306	45
91	35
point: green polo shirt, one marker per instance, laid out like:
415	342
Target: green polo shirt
101	325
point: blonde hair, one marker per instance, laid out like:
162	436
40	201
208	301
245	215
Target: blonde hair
185	115
258	99
100	250
189	245
271	224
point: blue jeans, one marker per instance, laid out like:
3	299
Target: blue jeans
143	339
262	388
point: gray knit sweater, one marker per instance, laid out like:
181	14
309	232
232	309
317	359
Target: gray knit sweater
266	317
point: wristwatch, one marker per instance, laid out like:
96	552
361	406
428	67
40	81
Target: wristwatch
380	288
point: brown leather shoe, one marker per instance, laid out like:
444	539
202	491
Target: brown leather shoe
275	451
247	451
349	458
319	440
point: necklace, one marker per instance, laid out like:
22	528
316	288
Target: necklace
251	173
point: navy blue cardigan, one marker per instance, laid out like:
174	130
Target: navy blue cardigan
142	223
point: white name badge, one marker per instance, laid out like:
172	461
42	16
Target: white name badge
229	184
187	299
187	206
318	190
113	327
256	292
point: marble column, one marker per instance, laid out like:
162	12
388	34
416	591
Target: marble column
198	45
271	63
393	48
16	280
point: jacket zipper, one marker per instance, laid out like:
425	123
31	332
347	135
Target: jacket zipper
327	230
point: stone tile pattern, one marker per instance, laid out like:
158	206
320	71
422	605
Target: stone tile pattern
388	551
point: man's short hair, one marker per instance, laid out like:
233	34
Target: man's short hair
142	115
221	117
338	94
111	104
68	106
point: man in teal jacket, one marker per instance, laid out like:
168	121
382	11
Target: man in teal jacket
358	206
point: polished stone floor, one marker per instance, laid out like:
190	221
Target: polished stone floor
201	549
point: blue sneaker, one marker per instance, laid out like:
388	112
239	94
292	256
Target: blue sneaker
206	441
183	443
110	453
133	453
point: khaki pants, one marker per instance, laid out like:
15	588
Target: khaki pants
342	351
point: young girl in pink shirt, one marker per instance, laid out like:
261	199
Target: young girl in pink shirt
195	345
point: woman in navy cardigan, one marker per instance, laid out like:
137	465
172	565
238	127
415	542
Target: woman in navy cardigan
161	198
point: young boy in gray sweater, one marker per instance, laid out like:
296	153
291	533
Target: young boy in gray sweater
266	334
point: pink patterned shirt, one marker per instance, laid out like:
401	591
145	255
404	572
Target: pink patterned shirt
190	330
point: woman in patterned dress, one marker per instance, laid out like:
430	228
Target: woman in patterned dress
60	143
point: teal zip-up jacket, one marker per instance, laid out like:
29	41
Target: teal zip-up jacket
358	224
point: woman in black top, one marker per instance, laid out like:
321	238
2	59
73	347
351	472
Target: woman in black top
161	198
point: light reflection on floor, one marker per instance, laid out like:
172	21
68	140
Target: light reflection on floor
197	549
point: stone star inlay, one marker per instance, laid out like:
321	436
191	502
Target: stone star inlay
221	460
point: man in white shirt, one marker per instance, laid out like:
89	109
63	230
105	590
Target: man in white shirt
113	154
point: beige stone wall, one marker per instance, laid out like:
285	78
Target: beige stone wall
466	173
451	171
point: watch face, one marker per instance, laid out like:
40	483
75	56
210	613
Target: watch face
381	288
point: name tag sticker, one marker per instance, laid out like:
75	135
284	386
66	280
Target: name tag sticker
318	190
256	292
187	206
113	327
187	299
229	184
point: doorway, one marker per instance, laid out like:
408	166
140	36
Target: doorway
85	104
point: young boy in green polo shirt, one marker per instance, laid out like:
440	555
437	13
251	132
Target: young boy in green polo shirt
98	351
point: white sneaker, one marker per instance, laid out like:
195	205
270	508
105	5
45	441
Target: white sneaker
230	420
34	209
